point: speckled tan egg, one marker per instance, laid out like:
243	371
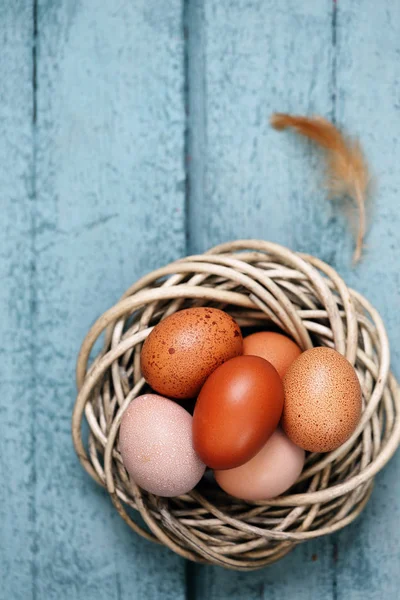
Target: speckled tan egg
185	348
155	440
322	400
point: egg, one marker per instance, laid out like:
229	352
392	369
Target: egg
268	474
278	349
236	412
186	347
322	400
155	441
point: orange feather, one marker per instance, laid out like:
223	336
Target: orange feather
347	170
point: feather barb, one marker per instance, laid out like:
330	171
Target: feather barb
347	170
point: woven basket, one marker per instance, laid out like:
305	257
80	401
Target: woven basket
260	284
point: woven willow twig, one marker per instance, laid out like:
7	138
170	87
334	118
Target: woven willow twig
256	282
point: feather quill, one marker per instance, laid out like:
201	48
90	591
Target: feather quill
347	170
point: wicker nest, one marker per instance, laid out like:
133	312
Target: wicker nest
260	284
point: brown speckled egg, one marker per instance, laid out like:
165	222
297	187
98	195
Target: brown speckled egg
155	440
322	400
185	348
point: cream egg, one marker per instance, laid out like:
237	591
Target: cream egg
155	441
268	474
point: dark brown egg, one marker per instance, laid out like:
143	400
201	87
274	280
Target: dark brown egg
184	349
236	412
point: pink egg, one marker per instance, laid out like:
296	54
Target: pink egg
155	441
268	474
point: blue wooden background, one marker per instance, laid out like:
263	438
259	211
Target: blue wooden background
133	132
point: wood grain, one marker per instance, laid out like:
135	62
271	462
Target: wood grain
109	206
305	573
246	180
17	467
368	101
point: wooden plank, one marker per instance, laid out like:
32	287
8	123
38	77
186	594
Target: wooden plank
250	59
305	573
247	60
17	467
110	202
368	76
